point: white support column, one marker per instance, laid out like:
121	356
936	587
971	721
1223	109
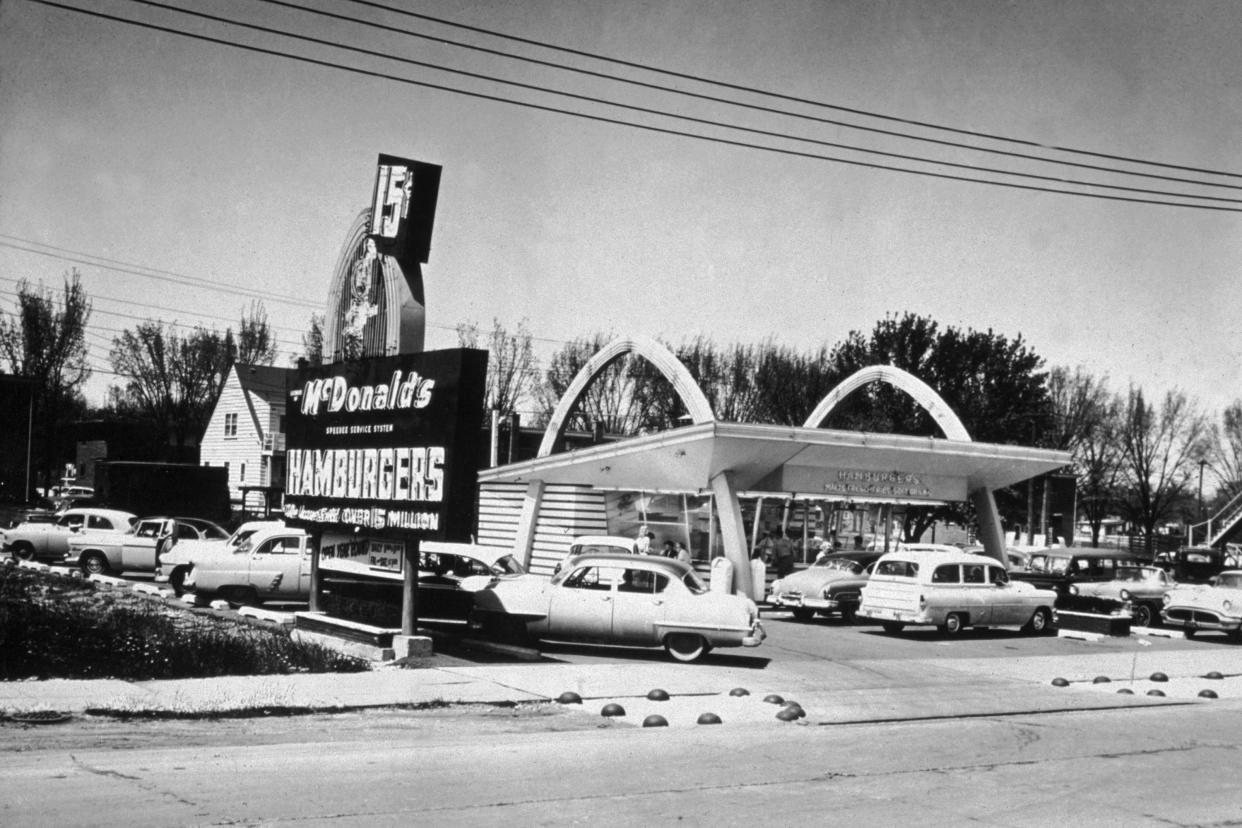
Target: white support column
524	538
732	532
991	534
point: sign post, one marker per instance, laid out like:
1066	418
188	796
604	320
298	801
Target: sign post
383	453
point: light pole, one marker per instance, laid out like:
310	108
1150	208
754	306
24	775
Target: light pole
1202	463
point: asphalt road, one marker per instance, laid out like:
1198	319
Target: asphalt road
1157	766
553	765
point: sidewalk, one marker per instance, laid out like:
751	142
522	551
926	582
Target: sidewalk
829	692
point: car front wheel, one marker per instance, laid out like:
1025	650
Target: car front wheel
94	564
1039	623
24	551
686	646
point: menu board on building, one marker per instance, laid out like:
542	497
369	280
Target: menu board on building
387	446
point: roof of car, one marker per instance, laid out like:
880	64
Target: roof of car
623	559
487	554
1082	552
603	540
941	554
117	514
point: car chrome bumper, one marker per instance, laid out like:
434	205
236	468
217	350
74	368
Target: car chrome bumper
756	637
797	601
884	614
1193	619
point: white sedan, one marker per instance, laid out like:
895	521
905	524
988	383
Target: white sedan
619	599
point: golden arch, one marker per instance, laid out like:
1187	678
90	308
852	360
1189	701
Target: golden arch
919	391
699	409
990	529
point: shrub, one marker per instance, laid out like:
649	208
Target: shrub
50	628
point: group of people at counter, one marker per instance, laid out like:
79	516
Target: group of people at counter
776	548
672	549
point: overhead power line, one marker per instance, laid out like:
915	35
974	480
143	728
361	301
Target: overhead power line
146	271
650	127
592	99
781	96
438	39
169	276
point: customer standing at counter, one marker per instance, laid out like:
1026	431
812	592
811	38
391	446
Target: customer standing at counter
783	553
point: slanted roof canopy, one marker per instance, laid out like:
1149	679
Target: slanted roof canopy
807	462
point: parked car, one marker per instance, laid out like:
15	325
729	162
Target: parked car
832	584
139	548
1139	588
16	516
597	544
636	600
1216	605
1197	564
1057	567
49	542
273	563
951	591
176	562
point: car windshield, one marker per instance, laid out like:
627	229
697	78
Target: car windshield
507	565
1232	580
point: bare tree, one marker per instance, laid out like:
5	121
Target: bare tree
1085	420
1225	455
727	376
618	397
1160	448
512	370
172	380
45	340
312	341
256	344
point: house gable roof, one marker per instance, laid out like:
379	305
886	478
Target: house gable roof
265	380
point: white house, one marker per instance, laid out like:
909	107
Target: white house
246	435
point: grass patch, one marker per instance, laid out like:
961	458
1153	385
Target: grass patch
51	627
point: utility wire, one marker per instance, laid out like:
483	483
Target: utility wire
159	275
591	99
793	99
80	257
96	297
730	102
645	127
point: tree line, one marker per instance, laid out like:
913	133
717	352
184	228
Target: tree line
1136	456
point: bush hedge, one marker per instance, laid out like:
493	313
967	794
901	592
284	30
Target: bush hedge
51	627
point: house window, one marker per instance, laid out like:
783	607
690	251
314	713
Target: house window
230	425
243	472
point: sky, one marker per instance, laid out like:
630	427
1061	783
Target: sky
219	172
